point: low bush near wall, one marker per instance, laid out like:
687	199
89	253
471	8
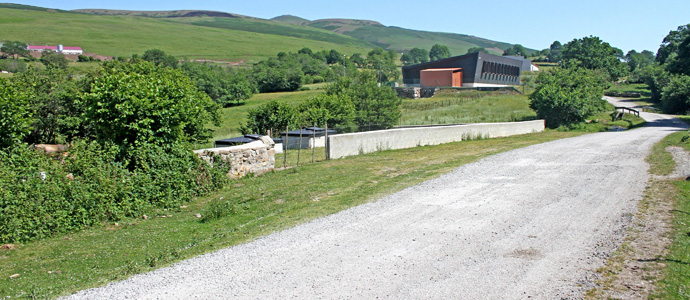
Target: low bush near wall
43	194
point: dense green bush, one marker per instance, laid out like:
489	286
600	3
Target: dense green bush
273	115
225	86
567	96
12	65
15	113
134	104
676	95
54	60
338	112
43	195
130	125
376	107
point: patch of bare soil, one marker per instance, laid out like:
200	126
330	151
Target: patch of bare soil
633	269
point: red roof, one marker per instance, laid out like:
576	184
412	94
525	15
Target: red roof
52	48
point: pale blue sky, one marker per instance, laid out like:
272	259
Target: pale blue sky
633	24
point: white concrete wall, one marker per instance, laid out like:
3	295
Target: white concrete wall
308	142
342	145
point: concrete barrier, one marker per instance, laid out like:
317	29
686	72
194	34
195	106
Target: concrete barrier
342	145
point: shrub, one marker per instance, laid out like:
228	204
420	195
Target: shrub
39	198
15	114
676	96
272	115
139	103
12	65
54	60
567	96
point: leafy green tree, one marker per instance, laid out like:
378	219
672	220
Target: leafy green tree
54	60
679	62
656	77
54	105
160	58
567	96
438	52
555	51
637	60
134	104
406	59
357	60
670	43
225	86
477	49
593	53
306	51
273	115
376	107
676	95
334	57
516	50
383	61
15	49
276	79
337	111
15	113
419	55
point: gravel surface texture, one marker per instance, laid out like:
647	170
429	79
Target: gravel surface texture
530	223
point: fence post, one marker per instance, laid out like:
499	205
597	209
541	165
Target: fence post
328	144
313	146
299	148
285	146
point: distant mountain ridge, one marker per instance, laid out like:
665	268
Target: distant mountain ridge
160	14
201	33
368	31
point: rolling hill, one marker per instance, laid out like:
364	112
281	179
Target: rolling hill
213	35
124	35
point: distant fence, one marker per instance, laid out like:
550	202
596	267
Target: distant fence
342	145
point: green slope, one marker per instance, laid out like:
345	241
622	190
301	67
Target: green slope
274	27
402	39
290	19
126	35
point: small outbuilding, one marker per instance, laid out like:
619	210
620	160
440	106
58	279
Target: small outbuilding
311	137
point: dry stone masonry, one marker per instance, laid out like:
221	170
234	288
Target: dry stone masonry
256	157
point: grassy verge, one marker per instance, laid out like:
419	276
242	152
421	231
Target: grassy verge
675	282
250	208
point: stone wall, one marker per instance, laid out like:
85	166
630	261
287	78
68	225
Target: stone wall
342	145
256	157
416	92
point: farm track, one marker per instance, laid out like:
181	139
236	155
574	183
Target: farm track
530	223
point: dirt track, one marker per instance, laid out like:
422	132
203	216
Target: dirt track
535	222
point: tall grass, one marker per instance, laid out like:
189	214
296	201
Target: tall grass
467	106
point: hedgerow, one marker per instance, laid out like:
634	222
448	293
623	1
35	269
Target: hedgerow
43	195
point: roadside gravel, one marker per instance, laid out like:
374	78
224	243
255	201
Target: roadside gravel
530	223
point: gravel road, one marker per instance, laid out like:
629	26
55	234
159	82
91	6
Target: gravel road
530	223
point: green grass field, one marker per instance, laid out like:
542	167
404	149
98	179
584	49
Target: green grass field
127	35
466	106
261	205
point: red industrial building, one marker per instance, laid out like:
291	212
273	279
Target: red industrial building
448	77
